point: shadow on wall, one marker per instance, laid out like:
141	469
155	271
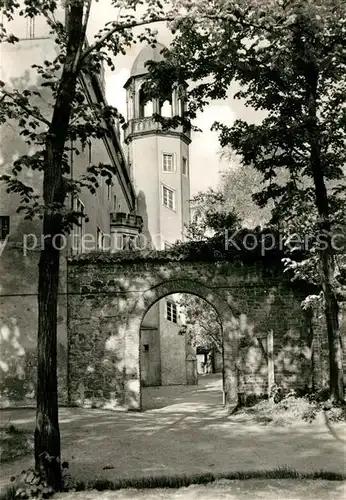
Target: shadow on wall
96	364
142	211
97	342
18	330
18	368
279	311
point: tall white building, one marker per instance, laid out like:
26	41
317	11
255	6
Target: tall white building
159	168
159	160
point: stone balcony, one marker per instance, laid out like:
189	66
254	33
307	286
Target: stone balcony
142	126
127	222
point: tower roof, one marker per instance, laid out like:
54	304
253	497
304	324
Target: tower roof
148	53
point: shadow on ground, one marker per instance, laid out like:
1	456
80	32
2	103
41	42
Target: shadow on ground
185	434
207	394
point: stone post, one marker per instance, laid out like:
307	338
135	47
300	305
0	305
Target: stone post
316	361
270	360
230	363
136	107
132	360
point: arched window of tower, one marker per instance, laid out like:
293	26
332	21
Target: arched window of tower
145	105
148	109
166	109
130	107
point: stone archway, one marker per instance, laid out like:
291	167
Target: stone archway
108	296
227	313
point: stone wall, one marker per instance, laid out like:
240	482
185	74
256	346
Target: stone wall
18	328
98	374
150	361
250	299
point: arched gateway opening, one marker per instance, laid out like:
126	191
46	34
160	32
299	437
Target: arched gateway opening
110	294
168	359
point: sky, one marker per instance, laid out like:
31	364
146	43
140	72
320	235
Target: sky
205	163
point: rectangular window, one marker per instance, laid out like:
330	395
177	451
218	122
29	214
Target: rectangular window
171	312
185	167
168	197
167	162
146	347
78	232
128	242
89	153
114	203
4	226
124	242
30	27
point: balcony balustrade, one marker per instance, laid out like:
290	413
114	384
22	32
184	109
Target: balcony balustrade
121	219
148	124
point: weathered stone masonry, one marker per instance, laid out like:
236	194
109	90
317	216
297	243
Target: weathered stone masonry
108	299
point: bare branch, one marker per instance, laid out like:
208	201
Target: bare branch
121	27
86	20
37	116
169	18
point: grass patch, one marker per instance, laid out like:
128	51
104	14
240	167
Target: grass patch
150	482
8	493
290	409
175	482
15	443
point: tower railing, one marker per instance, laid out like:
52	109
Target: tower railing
148	124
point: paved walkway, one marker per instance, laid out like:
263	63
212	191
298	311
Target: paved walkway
184	432
207	394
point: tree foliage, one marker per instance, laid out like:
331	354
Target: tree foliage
239	184
32	113
288	58
202	326
211	215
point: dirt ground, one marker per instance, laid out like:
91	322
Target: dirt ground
186	431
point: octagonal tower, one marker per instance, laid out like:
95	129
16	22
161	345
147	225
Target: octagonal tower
159	160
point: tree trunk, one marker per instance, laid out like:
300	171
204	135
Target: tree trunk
336	375
47	434
326	254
